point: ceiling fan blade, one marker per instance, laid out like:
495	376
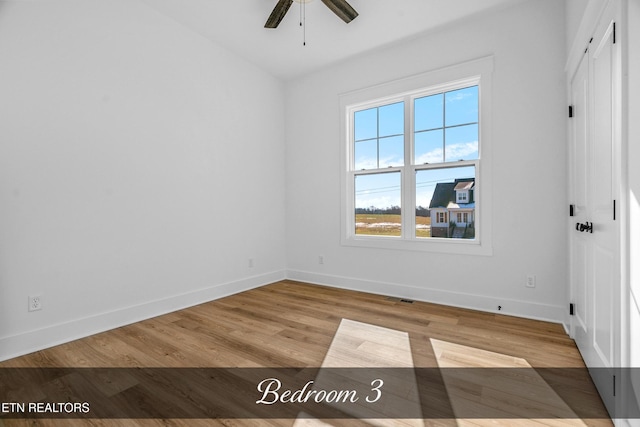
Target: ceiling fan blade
278	13
342	9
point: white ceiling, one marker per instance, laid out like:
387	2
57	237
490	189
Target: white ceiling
239	26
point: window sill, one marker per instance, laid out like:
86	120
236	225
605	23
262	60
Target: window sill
436	245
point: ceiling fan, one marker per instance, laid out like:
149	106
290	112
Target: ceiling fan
339	7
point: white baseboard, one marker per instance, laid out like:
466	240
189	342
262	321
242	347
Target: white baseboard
25	343
18	345
529	310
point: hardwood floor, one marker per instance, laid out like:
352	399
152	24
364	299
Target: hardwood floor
292	325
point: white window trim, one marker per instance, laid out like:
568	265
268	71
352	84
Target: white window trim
441	80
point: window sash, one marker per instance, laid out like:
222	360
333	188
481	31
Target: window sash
409	120
408	197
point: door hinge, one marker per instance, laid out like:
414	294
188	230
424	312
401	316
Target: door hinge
614	210
614	386
614	33
570	111
586	49
571	309
572	210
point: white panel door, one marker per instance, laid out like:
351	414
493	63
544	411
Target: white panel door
602	201
594	239
579	181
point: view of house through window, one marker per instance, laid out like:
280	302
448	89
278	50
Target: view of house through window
431	171
446	198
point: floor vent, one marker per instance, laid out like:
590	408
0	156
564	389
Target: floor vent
395	299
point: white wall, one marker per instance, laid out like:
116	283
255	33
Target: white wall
529	192
125	139
140	167
575	10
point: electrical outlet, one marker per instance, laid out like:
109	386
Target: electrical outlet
250	262
35	303
531	282
320	259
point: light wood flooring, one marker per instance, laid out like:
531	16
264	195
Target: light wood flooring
291	324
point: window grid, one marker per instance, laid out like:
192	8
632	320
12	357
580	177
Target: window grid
378	138
412	214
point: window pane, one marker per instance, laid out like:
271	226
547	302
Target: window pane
391	119
377	204
428	113
366	155
461	143
391	151
365	124
441	195
428	147
462	106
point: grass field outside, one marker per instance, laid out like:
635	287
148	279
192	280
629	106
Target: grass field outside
389	225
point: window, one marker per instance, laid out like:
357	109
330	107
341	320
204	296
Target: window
445	132
463	217
415	155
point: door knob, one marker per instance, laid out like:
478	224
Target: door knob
587	226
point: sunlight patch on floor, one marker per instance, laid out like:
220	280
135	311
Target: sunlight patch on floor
507	392
357	344
511	392
362	345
